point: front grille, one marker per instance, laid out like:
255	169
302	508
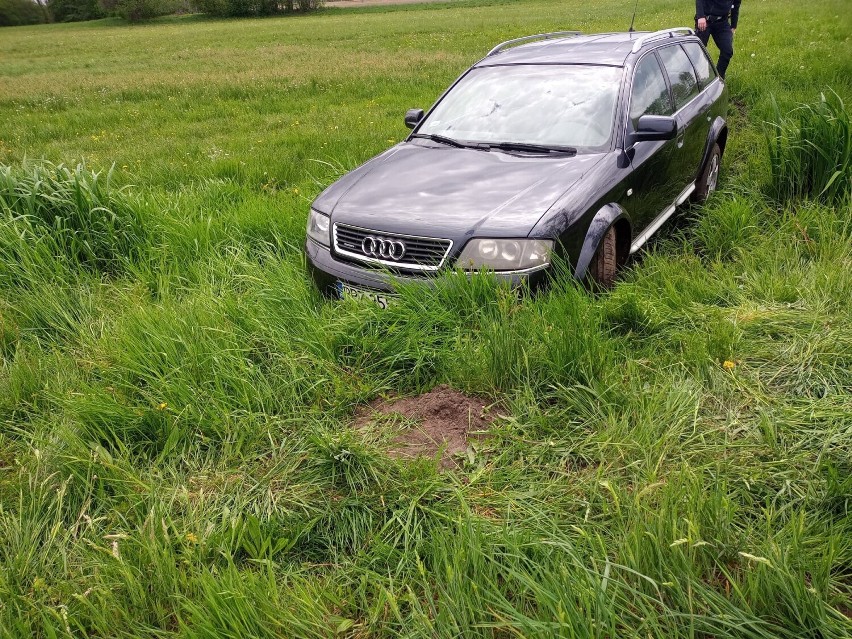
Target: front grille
421	253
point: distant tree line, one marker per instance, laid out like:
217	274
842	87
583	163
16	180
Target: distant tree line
21	12
233	8
16	12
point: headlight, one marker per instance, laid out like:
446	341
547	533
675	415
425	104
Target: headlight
318	224
505	255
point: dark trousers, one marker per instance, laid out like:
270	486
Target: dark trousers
724	39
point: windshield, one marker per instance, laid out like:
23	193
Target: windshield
551	105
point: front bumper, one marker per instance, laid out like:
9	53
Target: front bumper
327	270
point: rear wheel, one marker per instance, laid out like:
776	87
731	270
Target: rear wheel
709	176
604	266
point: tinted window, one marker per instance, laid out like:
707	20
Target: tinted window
539	104
650	93
681	75
701	62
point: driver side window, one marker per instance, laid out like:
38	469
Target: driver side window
650	94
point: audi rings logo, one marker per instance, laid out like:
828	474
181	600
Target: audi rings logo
383	248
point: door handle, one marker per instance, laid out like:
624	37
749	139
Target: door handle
680	139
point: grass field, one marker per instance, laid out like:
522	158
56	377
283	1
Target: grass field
177	457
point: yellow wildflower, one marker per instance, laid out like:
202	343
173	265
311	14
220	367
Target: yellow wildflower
728	365
162	406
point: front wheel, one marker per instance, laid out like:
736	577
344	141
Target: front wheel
604	266
709	176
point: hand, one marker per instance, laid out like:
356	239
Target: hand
733	31
702	24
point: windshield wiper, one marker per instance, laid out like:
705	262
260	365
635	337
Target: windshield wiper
531	148
449	141
502	146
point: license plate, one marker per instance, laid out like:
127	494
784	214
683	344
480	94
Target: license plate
347	291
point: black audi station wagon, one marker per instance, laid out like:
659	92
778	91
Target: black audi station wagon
552	144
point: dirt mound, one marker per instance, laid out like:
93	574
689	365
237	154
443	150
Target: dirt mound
442	419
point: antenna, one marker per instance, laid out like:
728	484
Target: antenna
633	19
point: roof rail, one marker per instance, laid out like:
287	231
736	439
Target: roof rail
539	36
659	35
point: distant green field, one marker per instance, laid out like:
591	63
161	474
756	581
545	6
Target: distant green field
177	458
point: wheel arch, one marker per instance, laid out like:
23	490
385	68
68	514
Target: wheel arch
718	134
722	140
611	214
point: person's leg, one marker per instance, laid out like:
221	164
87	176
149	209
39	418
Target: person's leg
724	39
704	36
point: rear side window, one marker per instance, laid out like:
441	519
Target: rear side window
701	62
650	95
681	75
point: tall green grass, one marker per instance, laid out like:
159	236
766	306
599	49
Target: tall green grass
79	213
810	152
177	453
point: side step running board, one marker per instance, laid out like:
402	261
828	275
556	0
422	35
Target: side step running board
661	219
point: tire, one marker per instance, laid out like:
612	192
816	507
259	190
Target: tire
604	266
709	176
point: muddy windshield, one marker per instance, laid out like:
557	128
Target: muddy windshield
559	105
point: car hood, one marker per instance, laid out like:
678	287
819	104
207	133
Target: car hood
420	189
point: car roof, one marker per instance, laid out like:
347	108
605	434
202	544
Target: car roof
601	48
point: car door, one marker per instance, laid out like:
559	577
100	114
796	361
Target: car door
649	189
691	113
701	62
706	74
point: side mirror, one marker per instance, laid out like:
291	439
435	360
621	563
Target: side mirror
413	117
652	128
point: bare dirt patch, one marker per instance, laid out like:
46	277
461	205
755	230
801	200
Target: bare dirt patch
443	420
